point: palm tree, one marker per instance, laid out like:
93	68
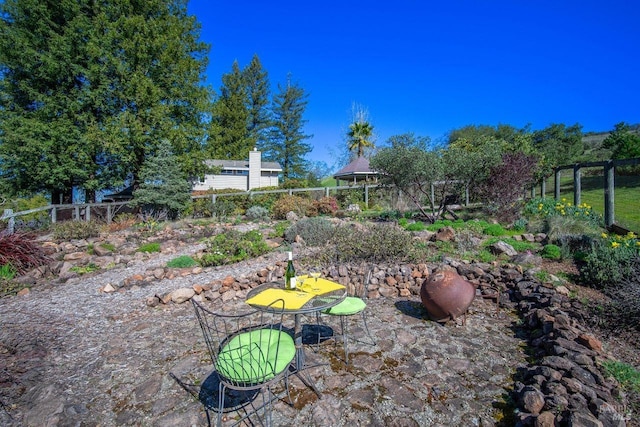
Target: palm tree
360	134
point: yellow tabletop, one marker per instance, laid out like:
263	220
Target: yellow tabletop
293	300
317	287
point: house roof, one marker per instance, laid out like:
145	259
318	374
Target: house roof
359	166
242	164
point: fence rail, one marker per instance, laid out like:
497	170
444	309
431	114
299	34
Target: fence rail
87	211
609	183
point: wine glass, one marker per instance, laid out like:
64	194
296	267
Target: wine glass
315	274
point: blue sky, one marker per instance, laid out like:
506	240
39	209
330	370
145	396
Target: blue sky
429	67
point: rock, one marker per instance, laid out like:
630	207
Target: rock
501	247
545	419
182	295
445	234
292	216
532	400
108	288
22	292
590	342
100	250
74	256
583	419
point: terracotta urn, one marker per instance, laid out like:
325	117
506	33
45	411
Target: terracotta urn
446	295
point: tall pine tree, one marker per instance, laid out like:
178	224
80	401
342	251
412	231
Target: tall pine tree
286	143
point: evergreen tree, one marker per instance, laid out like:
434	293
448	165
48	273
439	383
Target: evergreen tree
164	191
257	86
229	136
623	143
88	88
286	144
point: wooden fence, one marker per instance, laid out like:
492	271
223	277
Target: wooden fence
609	183
107	211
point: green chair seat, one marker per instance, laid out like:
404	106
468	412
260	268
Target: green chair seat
257	356
350	306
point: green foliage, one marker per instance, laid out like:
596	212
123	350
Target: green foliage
279	229
7	272
415	226
200	208
494	230
551	251
286	140
314	231
108	246
520	246
84	269
33	221
610	261
184	261
149	247
223	208
520	224
164	192
372	242
68	230
625	374
232	246
359	136
558	145
112	80
624	143
257	213
290	203
549	208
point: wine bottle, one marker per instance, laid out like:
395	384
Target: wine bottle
290	274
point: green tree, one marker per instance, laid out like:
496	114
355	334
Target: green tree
286	143
623	143
558	145
256	81
359	135
229	135
88	88
164	191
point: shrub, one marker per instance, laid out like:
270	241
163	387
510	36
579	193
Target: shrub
149	247
279	229
416	226
184	261
122	222
232	246
314	231
68	230
326	205
374	242
494	230
223	208
20	252
551	208
610	261
257	213
551	252
7	272
520	224
200	208
290	203
625	374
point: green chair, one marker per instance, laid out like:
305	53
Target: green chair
351	306
250	353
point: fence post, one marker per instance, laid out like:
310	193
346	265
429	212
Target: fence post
87	211
11	224
577	185
366	196
609	185
543	187
556	190
109	219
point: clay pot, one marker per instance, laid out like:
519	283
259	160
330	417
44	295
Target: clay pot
446	295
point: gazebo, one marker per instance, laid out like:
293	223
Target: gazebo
357	170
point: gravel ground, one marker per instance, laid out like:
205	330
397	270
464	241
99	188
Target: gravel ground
72	356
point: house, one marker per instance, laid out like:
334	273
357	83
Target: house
242	175
356	171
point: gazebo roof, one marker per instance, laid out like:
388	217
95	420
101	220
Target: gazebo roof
358	167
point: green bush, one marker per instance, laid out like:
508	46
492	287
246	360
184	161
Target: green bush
149	247
184	261
223	208
551	251
625	374
301	206
68	230
232	246
279	229
416	226
372	243
494	230
314	231
257	213
7	272
610	261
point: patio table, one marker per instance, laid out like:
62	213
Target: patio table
309	297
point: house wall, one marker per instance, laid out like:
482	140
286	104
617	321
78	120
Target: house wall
255	169
217	182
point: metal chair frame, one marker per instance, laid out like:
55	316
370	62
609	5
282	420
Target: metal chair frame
344	319
220	330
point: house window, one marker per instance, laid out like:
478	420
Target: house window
242	172
226	172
